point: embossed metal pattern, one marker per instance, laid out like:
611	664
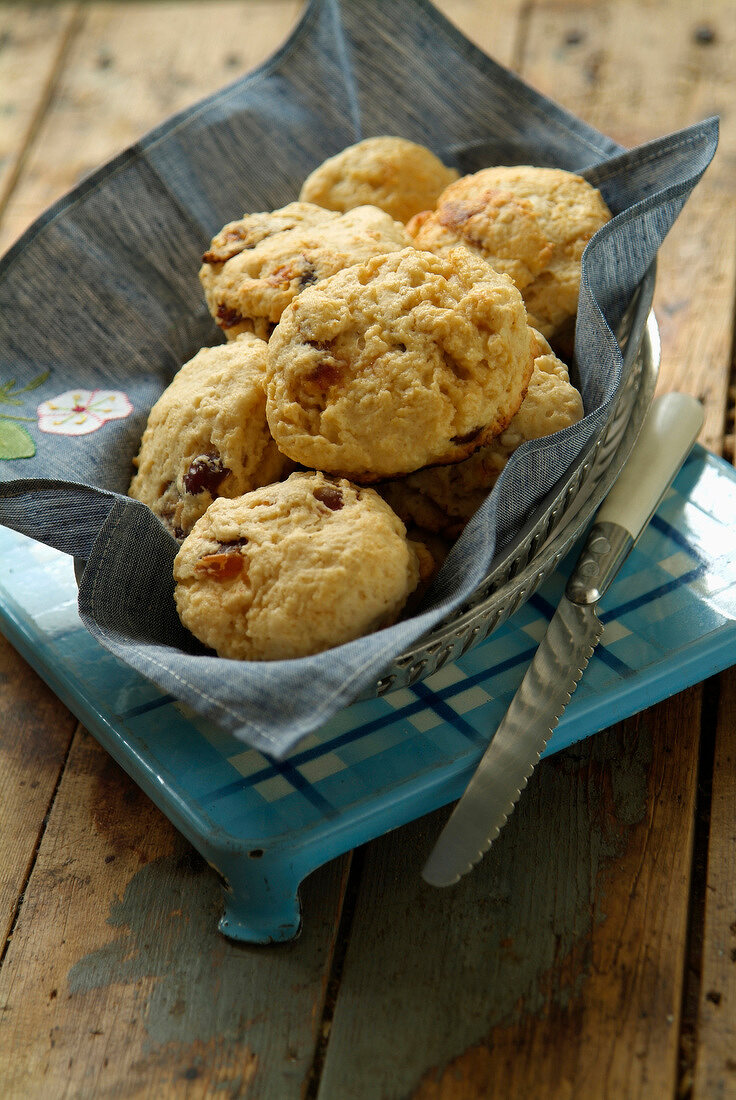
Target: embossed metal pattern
536	551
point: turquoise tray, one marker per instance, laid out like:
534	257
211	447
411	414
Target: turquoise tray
670	621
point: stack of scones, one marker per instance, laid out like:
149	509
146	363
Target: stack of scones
389	344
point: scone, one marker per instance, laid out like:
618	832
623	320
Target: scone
442	499
255	267
293	569
398	175
405	361
207	436
531	223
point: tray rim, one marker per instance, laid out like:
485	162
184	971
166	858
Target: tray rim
261	893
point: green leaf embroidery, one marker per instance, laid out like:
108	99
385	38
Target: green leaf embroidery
9	395
36	382
15	442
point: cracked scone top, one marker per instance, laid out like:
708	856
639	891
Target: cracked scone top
442	499
398	175
408	360
531	223
207	436
294	568
256	266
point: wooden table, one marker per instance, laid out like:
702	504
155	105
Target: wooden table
593	953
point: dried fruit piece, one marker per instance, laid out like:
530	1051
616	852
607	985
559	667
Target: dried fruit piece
223	567
325	375
330	497
227	317
468	437
205	473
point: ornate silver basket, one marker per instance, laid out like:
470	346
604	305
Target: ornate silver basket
536	550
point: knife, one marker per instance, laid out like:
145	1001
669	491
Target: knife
666	437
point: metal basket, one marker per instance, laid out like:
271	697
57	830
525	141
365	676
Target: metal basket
536	550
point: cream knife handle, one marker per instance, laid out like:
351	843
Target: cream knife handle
667	434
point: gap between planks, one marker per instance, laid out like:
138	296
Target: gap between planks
729	424
694	944
37	846
334	980
48	90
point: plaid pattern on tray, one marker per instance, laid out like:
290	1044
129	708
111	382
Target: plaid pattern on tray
670	620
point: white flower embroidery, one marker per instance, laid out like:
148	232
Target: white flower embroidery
78	412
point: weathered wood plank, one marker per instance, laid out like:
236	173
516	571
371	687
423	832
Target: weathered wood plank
551	970
129	67
715	1066
35	734
33	39
117	982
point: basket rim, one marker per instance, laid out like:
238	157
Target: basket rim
642	349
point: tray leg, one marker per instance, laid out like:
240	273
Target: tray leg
261	895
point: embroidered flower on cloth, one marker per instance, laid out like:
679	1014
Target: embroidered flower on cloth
78	412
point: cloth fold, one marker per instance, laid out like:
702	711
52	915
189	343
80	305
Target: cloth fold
114	265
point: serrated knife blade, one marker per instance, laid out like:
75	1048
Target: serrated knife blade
666	437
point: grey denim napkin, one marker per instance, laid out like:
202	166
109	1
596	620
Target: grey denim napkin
101	294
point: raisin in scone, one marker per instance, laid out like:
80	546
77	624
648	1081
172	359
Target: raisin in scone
531	223
442	499
207	436
397	175
405	361
255	267
293	569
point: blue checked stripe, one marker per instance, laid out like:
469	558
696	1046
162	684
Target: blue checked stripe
439	701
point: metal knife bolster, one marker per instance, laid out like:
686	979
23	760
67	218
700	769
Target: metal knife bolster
604	551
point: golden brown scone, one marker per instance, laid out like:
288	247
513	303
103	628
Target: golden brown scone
256	266
442	499
531	223
398	175
293	569
207	436
401	362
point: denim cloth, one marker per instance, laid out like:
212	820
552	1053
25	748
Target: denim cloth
102	291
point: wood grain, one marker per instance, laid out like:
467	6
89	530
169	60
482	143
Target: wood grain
35	735
128	67
33	42
552	970
715	1065
117	982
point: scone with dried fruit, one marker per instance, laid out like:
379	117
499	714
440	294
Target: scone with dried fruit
531	223
443	498
256	266
398	175
293	569
207	436
404	361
